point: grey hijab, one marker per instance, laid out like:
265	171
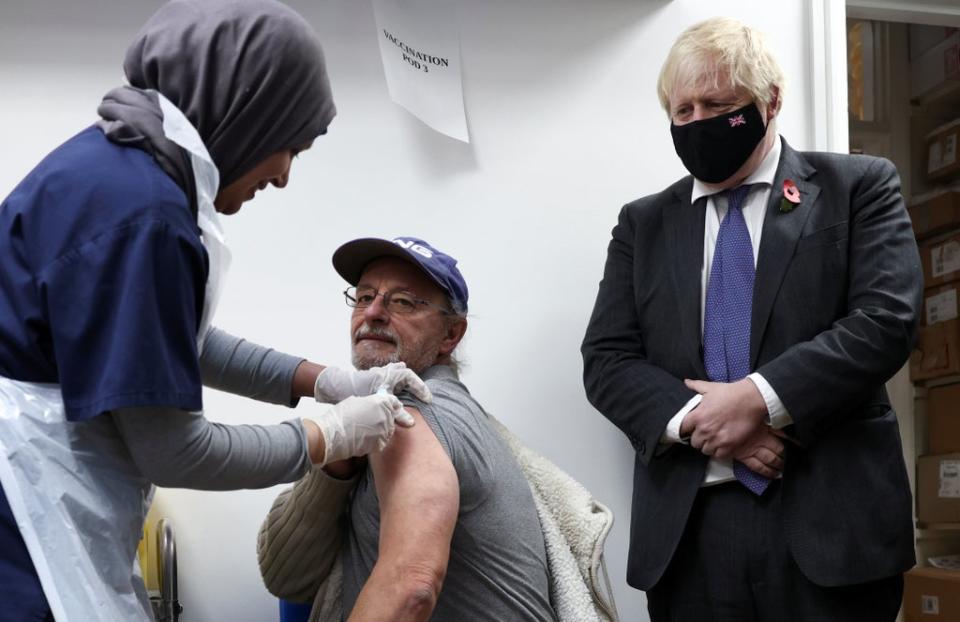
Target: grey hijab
248	74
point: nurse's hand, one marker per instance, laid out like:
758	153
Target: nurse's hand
355	427
335	384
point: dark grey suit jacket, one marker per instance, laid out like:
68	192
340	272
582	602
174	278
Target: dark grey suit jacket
835	310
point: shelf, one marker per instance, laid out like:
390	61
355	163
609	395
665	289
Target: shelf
939	526
945	95
929	383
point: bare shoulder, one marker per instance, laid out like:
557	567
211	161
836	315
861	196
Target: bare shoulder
414	460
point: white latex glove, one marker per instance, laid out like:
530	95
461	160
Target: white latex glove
360	425
335	384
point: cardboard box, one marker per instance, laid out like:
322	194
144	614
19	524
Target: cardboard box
940	304
943	162
935	213
943	419
938	488
941	261
938	351
931	595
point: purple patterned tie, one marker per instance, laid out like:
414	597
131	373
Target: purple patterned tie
726	322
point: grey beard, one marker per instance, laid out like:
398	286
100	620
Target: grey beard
367	362
418	356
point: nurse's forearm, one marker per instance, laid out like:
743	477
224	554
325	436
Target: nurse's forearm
177	449
305	378
238	366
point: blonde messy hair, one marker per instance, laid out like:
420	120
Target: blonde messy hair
722	48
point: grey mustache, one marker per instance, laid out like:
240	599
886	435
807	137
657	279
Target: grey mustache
367	331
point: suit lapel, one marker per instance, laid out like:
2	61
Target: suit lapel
781	230
684	227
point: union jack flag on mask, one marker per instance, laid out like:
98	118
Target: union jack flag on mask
737	120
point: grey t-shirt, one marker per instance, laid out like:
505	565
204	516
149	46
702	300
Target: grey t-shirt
498	565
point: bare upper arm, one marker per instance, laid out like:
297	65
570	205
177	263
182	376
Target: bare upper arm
419	500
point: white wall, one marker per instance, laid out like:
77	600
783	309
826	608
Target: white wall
566	128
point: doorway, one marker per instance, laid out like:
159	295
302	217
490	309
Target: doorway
903	103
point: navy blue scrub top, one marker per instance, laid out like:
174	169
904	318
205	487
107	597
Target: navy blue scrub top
102	276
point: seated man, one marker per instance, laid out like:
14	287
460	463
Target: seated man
445	504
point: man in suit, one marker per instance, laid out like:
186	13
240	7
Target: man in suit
747	320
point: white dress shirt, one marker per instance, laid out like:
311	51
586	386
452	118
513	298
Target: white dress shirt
754	211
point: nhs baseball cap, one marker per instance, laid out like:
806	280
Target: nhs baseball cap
351	258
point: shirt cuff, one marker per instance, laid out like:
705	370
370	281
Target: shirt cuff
672	433
777	415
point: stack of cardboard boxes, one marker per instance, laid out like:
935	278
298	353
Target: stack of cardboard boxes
938	472
934	593
936	222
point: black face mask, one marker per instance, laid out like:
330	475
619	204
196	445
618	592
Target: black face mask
714	149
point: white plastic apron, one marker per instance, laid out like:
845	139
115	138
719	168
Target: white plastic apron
75	492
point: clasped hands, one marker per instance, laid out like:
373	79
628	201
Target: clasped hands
730	422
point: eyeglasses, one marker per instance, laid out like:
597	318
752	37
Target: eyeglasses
396	301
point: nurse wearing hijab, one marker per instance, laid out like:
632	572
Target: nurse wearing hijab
112	258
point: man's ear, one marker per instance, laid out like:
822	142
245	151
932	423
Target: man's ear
455	330
774	106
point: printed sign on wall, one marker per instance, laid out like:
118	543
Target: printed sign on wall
420	48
